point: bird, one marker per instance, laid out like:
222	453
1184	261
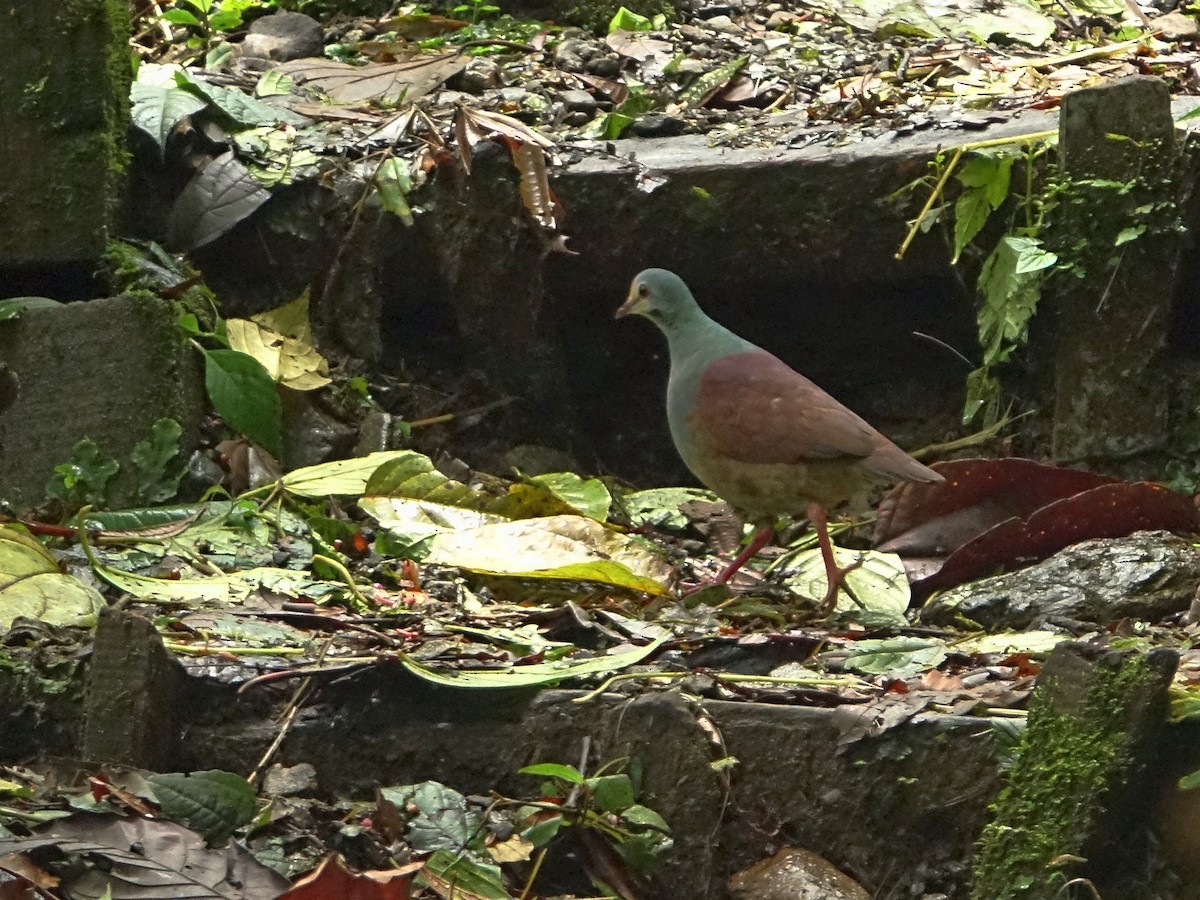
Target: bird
759	434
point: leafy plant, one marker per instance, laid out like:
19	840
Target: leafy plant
604	804
84	478
157	479
1010	278
476	10
208	18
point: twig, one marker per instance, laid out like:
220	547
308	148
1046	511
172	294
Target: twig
293	710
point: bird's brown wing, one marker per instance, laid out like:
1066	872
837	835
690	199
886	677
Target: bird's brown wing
754	408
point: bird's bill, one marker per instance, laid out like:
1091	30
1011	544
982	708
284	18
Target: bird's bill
630	306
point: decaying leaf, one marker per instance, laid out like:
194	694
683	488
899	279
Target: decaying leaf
281	339
381	82
530	161
880	583
218	197
32	586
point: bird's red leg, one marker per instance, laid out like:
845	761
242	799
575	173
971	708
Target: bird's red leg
756	543
836	574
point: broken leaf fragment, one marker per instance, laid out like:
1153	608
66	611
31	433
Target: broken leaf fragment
32	586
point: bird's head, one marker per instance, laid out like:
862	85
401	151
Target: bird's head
659	295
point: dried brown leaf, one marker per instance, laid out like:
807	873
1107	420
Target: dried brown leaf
536	194
387	82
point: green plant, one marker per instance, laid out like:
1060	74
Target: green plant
84	478
1010	279
208	18
604	804
475	10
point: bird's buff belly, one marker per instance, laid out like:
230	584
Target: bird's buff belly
769	490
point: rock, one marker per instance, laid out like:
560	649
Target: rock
514	95
576	48
1145	576
534	459
1177	26
604	66
782	18
657	125
724	25
578	101
1077	790
311	435
795	874
284	35
290	781
480	75
711	12
105	370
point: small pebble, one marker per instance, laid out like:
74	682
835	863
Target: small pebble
604	66
578	101
657	125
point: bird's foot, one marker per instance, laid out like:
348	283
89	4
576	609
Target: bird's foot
837	582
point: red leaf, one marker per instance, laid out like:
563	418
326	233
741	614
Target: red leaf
332	882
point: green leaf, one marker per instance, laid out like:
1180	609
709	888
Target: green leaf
151	459
159	107
343	477
31	585
393	183
12	307
1010	283
543	831
441	818
897	657
243	394
177	16
564	547
985	179
644	817
1129	233
1190	781
468	876
699	90
880	582
971	212
587	496
628	20
983	393
659	507
553	770
611	793
213	803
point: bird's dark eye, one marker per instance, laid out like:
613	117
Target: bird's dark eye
643	292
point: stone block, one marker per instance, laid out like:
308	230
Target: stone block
64	89
1118	235
106	370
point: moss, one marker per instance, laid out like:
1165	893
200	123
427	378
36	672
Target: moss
1068	761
